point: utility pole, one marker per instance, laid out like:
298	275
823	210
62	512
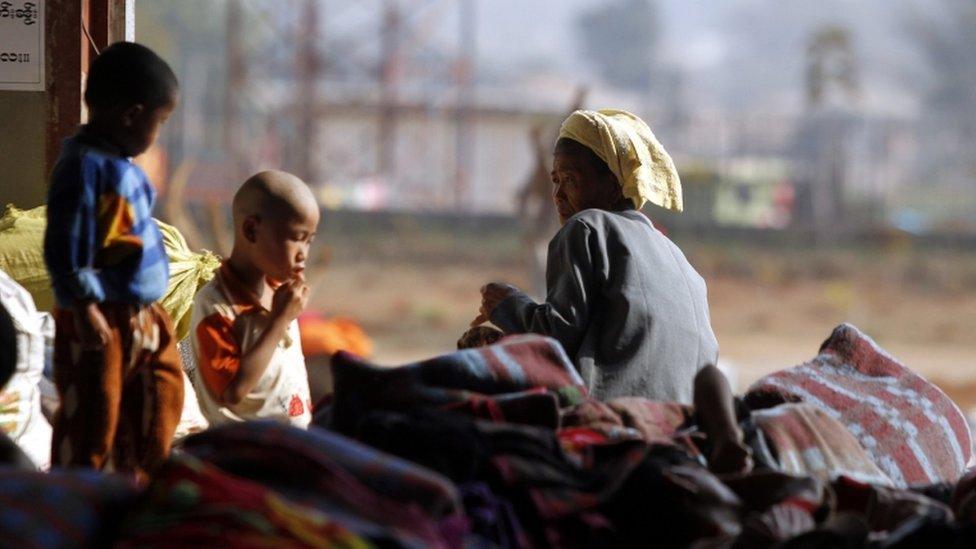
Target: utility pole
464	138
309	67
234	88
390	71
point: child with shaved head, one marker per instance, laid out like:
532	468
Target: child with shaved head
244	330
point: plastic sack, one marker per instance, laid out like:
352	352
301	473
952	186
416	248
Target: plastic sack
21	416
22	252
22	257
188	272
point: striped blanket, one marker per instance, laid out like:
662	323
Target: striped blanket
63	508
807	441
460	380
194	504
377	495
908	426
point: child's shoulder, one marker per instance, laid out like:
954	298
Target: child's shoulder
85	157
210	298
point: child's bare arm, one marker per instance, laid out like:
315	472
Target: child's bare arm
716	412
289	301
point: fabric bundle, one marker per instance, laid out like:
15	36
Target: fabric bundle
809	442
62	508
389	497
467	379
193	504
909	428
501	447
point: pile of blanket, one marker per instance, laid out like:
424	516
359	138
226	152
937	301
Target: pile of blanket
908	426
501	447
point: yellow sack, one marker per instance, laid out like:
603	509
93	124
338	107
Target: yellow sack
22	257
22	252
188	272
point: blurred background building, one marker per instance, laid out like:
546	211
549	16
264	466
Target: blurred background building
847	114
826	151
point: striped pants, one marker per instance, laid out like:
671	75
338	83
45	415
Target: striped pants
119	404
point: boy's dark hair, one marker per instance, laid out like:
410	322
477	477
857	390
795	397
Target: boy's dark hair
127	73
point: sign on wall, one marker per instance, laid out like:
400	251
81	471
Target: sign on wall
22	45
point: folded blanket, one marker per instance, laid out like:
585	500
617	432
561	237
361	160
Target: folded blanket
655	421
885	509
62	508
808	442
907	425
556	500
516	364
377	495
193	504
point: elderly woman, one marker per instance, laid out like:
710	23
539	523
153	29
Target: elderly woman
621	298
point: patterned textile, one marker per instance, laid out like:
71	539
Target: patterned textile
533	407
670	502
655	421
556	500
885	508
121	402
777	524
807	441
964	497
192	504
450	444
763	489
101	242
377	495
593	423
533	461
494	522
908	426
61	508
780	506
516	364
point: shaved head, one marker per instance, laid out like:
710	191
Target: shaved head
275	220
273	195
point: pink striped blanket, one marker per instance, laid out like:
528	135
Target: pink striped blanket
908	426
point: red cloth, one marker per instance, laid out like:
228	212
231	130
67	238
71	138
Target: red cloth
907	425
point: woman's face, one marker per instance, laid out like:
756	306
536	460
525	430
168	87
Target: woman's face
579	183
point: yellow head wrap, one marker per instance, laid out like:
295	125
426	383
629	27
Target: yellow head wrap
643	168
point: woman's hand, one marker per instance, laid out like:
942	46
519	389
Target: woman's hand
492	294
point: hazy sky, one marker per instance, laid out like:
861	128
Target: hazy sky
735	50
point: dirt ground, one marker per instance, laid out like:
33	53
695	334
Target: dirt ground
770	308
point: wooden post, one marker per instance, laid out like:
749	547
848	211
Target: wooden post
68	55
63	58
